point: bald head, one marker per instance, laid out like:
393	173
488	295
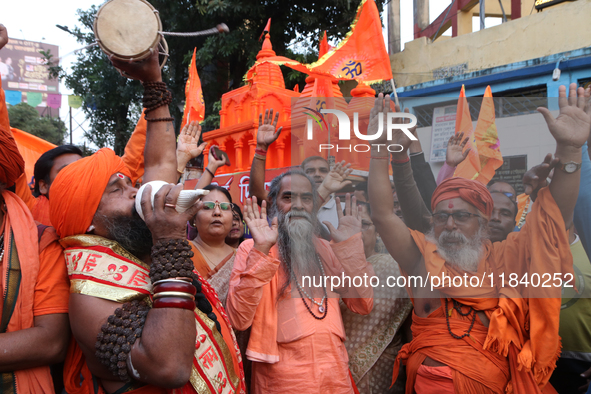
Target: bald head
505	188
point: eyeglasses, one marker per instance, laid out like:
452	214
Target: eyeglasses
210	205
440	218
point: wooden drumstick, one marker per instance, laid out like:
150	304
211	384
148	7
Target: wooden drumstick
221	28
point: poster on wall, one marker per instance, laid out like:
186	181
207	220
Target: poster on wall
444	124
23	69
512	171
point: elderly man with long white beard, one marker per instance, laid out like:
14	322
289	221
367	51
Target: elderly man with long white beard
297	334
490	327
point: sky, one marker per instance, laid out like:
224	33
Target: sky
37	22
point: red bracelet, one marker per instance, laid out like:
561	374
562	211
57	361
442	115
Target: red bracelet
173	302
401	161
323	200
180	286
261	152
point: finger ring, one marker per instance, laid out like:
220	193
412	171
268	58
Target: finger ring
170	206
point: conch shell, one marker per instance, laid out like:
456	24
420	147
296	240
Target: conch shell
185	200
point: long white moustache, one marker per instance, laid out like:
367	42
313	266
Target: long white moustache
186	197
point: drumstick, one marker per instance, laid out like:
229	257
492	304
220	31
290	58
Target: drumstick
221	28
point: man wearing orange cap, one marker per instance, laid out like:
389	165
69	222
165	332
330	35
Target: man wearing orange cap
142	320
34	286
478	331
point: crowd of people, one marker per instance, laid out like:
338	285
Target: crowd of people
97	298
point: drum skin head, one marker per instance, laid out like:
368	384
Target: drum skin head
127	29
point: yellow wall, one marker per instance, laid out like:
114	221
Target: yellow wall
540	34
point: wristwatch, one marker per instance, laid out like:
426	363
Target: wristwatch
570	167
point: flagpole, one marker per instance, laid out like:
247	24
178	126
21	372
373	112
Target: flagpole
395	94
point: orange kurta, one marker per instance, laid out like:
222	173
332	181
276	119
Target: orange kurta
292	349
518	351
43	288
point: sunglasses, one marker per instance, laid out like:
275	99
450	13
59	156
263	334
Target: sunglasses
210	205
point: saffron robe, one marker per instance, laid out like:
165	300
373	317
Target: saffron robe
518	351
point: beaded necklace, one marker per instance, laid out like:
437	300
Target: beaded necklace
458	307
321	308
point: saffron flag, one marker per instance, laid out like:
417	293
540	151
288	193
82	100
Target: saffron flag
487	139
361	55
469	168
31	148
324	46
266	29
194	105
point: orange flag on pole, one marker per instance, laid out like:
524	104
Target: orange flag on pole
487	139
470	167
266	29
362	54
324	46
194	105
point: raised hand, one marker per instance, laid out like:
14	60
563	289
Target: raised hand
187	147
571	127
263	234
455	153
162	219
349	223
381	106
266	133
212	163
3	36
336	179
535	178
147	70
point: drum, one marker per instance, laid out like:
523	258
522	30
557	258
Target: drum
129	30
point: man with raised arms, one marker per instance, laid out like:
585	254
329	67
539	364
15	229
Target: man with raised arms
499	336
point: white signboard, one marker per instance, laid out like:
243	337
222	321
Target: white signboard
444	124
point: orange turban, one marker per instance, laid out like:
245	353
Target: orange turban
76	192
473	192
12	164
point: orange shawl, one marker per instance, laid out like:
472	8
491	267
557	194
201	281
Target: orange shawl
20	230
524	330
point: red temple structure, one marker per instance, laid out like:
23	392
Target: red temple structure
239	117
239	121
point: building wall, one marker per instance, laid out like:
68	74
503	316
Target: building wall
555	30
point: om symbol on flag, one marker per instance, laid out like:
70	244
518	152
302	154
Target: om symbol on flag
352	69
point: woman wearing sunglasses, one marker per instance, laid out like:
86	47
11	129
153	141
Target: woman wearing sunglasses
214	259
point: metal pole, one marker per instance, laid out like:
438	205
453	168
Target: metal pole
482	14
71	131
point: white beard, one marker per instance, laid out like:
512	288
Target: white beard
469	253
297	250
